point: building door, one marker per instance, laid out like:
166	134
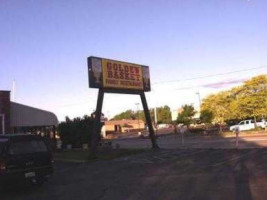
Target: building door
117	128
2	124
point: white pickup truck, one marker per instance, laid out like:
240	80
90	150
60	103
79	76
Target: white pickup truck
247	125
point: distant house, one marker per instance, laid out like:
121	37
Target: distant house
122	126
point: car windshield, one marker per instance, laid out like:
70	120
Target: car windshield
25	147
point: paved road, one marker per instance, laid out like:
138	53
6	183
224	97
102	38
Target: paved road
174	141
165	174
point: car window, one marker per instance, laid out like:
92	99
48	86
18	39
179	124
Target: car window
241	123
25	147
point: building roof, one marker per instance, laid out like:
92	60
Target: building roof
124	121
26	116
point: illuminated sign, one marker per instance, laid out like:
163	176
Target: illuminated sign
106	73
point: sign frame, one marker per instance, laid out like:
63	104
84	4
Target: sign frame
97	75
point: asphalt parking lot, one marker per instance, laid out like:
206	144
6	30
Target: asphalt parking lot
164	174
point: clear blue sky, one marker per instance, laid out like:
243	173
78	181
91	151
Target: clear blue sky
44	45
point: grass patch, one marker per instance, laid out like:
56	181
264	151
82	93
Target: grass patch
223	134
249	132
86	156
75	155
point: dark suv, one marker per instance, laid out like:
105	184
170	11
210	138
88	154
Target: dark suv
24	157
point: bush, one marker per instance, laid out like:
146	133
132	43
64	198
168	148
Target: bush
76	132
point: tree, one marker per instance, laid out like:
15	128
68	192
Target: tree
242	102
219	105
206	116
186	115
252	98
128	114
164	114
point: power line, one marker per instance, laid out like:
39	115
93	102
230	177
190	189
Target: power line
211	75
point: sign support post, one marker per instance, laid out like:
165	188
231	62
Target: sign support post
97	122
148	121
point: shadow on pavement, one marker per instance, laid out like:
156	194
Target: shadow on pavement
241	177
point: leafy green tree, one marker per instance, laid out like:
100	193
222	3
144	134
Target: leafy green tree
128	114
164	114
219	105
186	116
206	116
252	98
242	102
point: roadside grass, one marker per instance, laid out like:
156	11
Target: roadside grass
80	156
224	133
244	133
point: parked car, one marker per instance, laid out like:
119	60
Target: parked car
24	157
247	125
161	126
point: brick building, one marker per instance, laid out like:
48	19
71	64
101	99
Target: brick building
122	126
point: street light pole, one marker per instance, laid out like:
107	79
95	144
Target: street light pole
199	99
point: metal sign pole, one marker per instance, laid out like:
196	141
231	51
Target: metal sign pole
148	120
97	122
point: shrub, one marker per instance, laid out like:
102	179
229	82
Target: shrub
77	131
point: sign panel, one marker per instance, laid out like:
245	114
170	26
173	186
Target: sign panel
122	75
106	73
